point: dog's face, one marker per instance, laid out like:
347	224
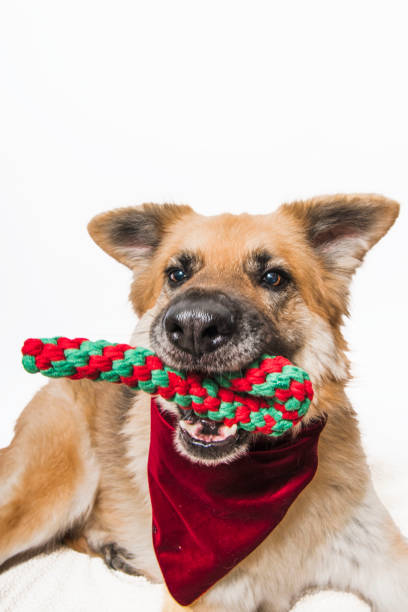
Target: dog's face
222	290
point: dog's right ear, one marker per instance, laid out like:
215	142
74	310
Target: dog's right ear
342	228
131	235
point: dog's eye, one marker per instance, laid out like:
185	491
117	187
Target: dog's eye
272	278
177	275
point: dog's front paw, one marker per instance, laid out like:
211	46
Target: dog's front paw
118	558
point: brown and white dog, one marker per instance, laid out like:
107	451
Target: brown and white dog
213	293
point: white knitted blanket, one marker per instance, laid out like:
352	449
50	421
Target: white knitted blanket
66	581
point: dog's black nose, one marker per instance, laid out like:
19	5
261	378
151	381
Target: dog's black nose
199	324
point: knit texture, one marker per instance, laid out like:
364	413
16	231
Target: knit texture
270	396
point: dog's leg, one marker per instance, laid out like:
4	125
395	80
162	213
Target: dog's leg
48	474
369	558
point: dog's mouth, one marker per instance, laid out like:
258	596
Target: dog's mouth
205	432
207	440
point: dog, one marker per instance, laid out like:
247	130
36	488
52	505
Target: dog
212	294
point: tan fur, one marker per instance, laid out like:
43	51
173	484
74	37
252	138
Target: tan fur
79	454
54	473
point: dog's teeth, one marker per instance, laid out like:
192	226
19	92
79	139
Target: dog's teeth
230	430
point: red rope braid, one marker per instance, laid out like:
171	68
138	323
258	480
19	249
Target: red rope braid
271	396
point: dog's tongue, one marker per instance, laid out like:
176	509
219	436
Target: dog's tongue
205	431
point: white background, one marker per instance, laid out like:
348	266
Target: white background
227	106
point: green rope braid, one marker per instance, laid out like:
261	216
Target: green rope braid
270	397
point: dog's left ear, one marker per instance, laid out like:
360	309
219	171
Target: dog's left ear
342	228
131	235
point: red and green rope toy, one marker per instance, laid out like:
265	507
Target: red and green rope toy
270	397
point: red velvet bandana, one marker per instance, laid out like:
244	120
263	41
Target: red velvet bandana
207	519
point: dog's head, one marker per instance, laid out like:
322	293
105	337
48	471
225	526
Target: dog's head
221	290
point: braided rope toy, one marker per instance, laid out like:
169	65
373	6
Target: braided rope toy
270	397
